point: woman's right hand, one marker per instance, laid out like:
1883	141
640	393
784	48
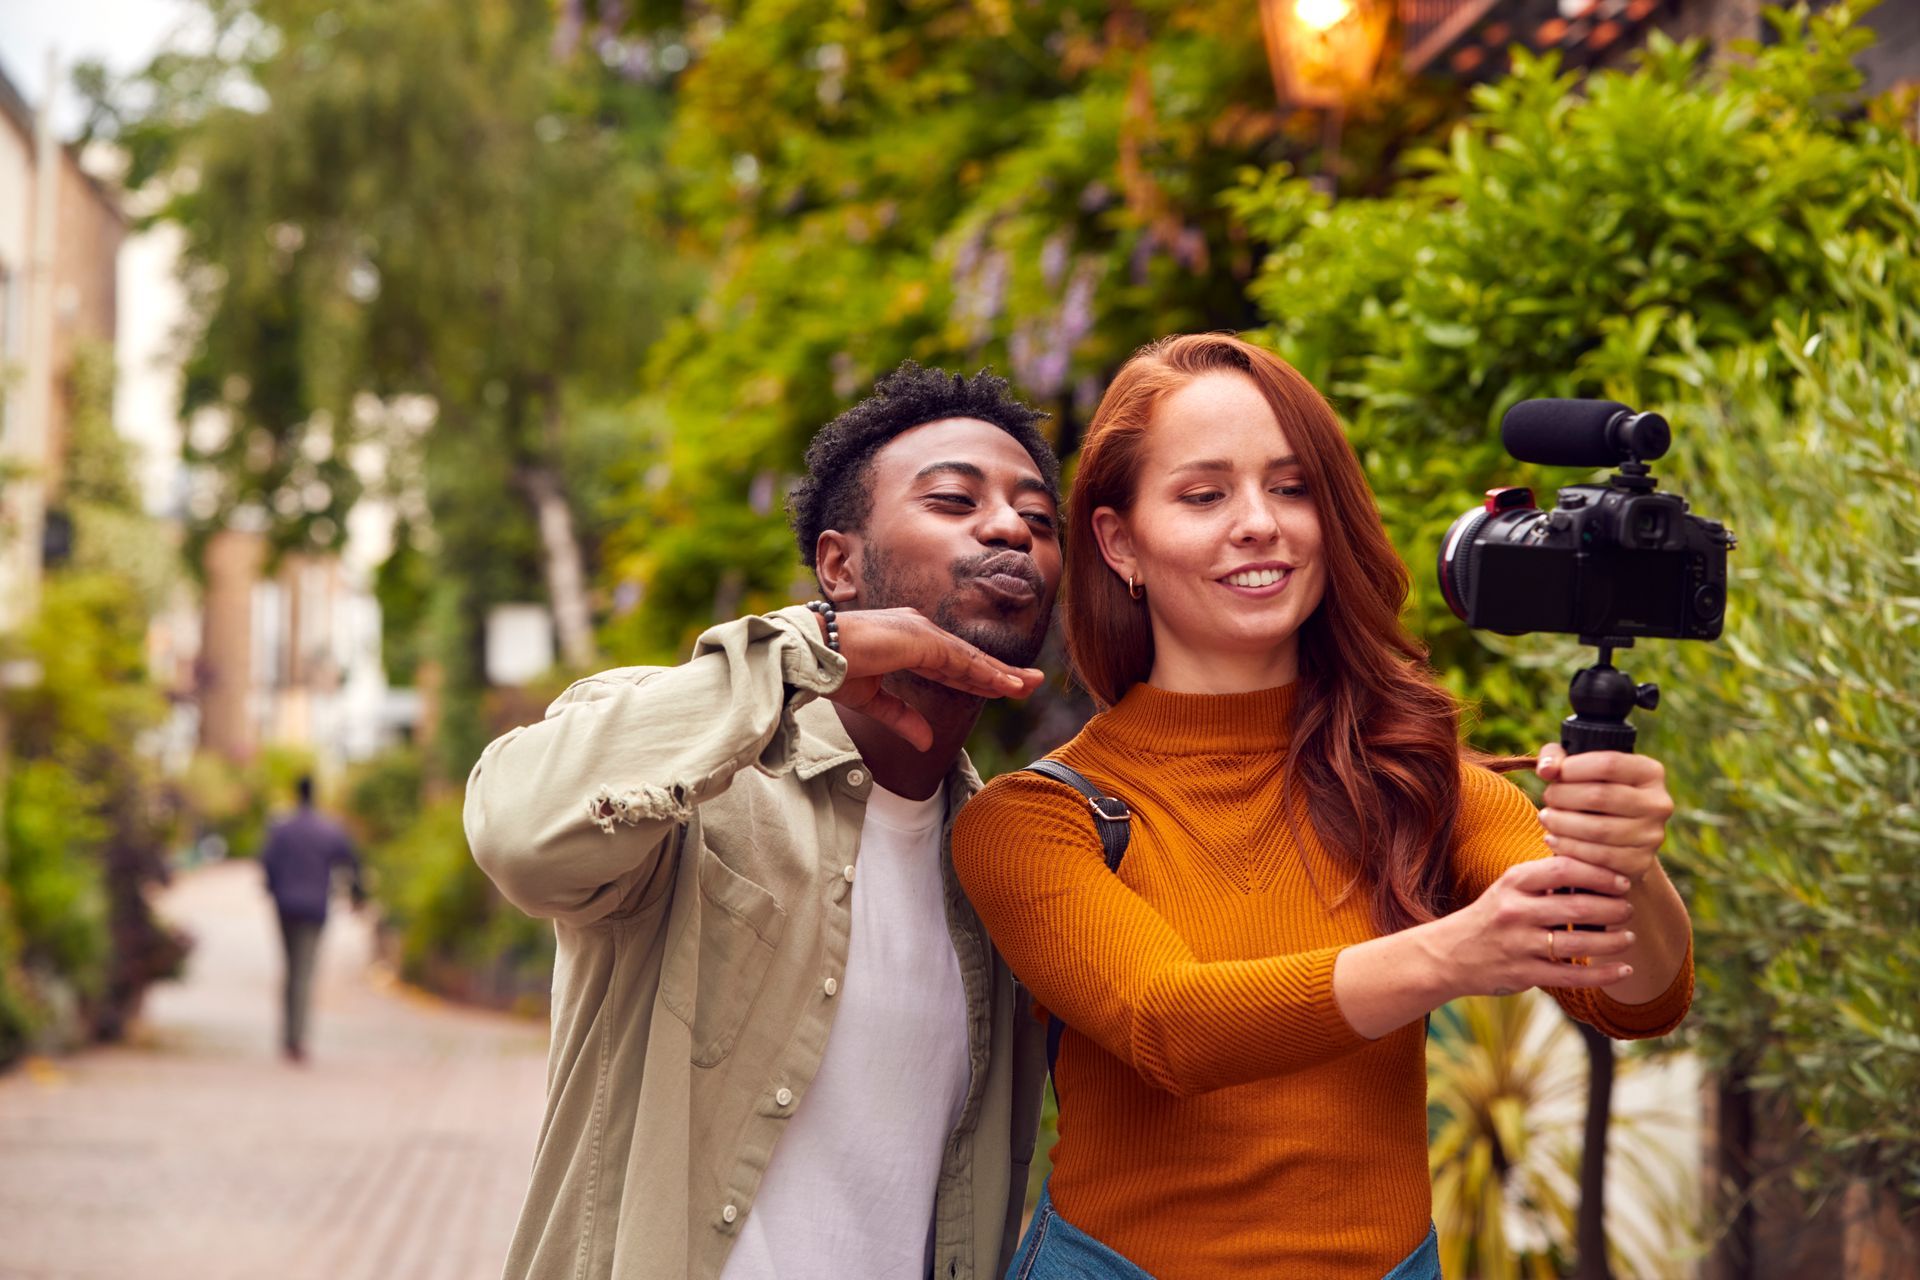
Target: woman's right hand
1513	936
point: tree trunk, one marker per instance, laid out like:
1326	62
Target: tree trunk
1591	1238
565	566
1733	1254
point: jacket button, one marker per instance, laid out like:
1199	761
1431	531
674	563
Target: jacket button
729	1213
832	986
856	777
846	873
784	1097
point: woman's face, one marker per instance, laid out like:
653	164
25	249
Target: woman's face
1223	537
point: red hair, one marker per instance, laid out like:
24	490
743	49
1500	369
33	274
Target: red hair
1376	749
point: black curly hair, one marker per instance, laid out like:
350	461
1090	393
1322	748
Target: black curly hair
836	493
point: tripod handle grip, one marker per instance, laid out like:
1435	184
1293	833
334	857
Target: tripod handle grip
1578	735
1602	691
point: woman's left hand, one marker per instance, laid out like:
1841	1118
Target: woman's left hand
1609	808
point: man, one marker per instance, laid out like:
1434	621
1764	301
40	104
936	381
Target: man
303	851
782	1043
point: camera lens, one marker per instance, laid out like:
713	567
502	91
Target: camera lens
1467	542
1456	560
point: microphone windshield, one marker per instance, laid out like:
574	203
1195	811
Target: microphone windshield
1581	433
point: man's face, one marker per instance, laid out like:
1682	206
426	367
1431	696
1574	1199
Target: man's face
964	529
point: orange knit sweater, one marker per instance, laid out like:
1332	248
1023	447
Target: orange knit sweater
1219	1117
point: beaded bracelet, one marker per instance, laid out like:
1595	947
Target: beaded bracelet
825	611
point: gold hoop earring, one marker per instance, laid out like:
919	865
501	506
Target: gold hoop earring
1135	589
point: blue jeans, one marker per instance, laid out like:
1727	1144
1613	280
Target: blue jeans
1055	1249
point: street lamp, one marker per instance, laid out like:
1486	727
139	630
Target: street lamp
1323	52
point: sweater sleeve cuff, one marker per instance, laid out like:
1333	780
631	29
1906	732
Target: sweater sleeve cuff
1332	1031
1656	1017
1231	1022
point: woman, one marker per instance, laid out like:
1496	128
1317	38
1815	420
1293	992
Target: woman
1313	865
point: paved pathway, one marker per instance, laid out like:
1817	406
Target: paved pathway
400	1150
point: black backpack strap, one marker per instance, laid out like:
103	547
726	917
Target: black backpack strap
1110	818
1110	813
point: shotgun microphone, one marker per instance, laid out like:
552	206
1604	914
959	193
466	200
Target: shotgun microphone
1582	433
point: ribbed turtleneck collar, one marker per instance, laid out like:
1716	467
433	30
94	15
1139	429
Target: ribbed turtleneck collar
1156	720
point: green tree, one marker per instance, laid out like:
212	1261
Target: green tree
1805	835
1030	186
407	224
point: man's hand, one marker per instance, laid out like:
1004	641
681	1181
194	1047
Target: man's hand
880	642
1607	808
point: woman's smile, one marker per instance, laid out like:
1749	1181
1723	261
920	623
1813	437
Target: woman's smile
1258	581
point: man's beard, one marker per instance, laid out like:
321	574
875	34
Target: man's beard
1007	638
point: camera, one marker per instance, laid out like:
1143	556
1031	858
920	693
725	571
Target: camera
1610	562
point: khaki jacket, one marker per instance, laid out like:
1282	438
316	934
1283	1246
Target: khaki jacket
693	833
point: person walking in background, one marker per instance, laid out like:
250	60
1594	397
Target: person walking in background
303	851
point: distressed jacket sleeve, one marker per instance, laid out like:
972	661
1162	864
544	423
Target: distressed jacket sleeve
570	815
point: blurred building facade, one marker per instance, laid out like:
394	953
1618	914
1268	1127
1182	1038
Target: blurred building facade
60	238
290	656
280	656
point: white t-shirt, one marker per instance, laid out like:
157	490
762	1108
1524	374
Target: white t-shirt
849	1190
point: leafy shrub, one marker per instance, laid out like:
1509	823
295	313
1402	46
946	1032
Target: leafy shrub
1506	1084
219	799
86	815
55	885
1576	239
85	819
383	795
236	802
456	934
1804	840
19	1016
54	940
452	931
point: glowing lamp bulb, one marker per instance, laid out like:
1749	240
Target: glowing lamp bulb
1319	15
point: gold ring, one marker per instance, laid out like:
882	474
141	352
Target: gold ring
1550	953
